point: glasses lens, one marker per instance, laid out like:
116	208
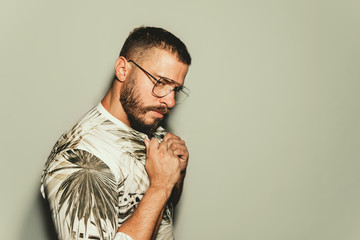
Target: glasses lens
164	87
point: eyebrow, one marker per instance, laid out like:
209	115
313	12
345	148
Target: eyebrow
169	79
160	77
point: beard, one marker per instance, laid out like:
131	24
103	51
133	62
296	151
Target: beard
135	110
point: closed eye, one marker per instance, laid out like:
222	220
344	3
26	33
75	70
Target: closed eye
163	82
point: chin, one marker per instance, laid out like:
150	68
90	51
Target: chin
150	120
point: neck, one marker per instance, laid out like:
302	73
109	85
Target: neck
111	102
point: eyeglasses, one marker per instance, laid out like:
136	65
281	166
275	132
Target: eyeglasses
164	86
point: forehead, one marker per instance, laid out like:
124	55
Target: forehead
162	63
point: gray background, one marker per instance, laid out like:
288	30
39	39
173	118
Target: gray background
272	123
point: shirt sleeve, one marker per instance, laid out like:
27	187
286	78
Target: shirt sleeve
83	196
122	236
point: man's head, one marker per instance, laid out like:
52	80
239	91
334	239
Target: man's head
149	54
143	39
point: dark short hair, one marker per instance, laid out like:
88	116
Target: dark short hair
143	38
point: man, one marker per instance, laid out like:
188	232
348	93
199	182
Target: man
116	174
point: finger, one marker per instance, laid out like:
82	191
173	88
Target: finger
164	145
175	139
183	154
147	143
171	152
169	136
153	144
177	144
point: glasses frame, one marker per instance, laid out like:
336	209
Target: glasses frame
176	89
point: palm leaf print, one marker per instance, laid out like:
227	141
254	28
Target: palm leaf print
133	141
67	141
90	190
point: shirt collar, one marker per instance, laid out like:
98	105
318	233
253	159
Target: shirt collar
135	140
159	133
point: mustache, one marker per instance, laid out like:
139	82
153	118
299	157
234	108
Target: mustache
161	109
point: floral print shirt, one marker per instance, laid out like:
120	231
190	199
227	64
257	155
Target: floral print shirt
95	177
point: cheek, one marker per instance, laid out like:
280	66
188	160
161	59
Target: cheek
143	88
147	98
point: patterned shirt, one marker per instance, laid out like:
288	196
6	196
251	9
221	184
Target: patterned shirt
95	177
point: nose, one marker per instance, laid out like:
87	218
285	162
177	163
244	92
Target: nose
169	100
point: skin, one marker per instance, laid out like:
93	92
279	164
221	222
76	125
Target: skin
166	161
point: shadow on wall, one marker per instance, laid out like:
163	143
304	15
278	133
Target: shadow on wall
38	224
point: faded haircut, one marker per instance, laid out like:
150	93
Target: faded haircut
142	39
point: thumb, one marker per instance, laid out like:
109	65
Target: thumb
147	142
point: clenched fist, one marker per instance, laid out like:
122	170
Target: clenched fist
179	147
162	164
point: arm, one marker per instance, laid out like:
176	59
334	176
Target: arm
180	149
177	190
158	224
163	168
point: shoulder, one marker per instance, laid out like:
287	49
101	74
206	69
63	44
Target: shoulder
76	167
78	183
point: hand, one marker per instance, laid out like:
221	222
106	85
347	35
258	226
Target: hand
178	146
162	165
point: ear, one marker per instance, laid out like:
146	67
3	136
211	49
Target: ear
121	69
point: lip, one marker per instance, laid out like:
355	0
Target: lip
159	114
